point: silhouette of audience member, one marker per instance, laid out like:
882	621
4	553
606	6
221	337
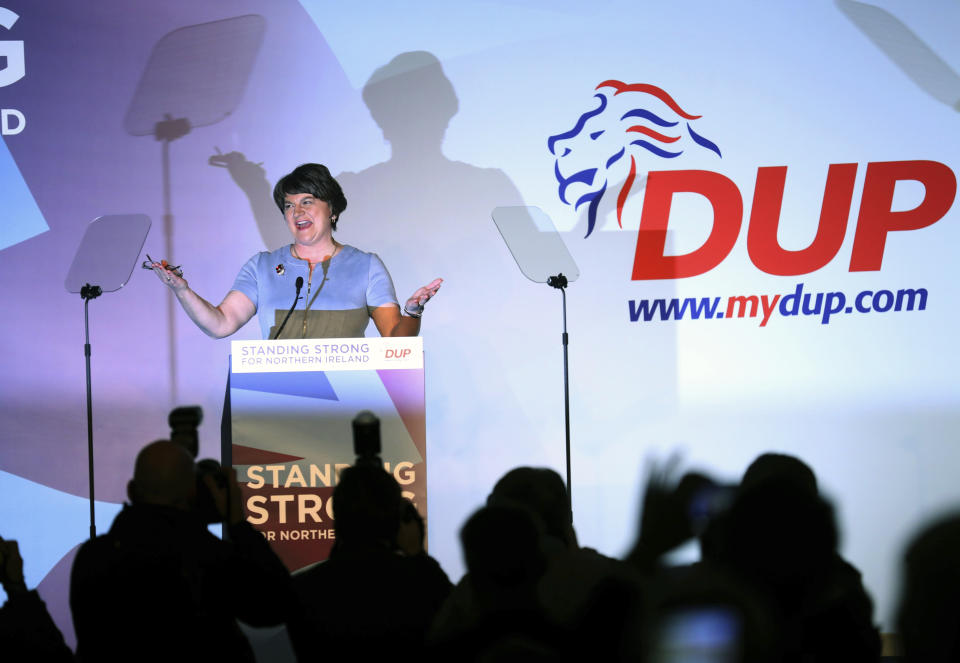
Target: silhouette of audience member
699	611
503	551
578	590
368	601
573	572
502	548
929	610
672	515
780	536
159	586
27	633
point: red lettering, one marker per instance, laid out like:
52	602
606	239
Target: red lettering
762	243
649	260
876	217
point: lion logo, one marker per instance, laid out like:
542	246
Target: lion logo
593	153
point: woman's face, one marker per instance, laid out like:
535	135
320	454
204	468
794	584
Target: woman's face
308	218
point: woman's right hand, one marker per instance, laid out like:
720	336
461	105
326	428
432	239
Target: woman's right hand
169	277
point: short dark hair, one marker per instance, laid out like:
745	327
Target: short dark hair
539	489
315	179
772	466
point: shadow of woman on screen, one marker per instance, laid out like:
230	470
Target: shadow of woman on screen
420	206
424	213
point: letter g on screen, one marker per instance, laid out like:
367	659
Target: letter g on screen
11	51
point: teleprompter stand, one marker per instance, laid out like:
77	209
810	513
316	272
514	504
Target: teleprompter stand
543	258
103	263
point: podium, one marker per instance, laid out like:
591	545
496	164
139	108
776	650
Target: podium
287	430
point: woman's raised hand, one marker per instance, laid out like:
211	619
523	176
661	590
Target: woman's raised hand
415	303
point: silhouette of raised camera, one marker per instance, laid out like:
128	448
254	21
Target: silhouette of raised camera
366	439
184	424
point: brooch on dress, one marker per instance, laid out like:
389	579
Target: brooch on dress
280	269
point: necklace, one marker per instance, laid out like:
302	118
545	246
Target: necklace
311	265
296	254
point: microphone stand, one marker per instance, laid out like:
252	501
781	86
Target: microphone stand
296	299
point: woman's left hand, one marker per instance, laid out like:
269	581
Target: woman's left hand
414	305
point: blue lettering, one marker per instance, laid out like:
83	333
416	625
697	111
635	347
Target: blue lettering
888	303
910	293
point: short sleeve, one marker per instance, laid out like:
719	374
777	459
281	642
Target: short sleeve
380	290
247	279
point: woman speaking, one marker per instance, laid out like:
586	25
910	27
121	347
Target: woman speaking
333	289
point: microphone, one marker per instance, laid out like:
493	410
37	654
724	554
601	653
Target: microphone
296	299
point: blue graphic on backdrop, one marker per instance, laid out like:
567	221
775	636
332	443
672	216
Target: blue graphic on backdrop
654	124
66	516
309	384
21	216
